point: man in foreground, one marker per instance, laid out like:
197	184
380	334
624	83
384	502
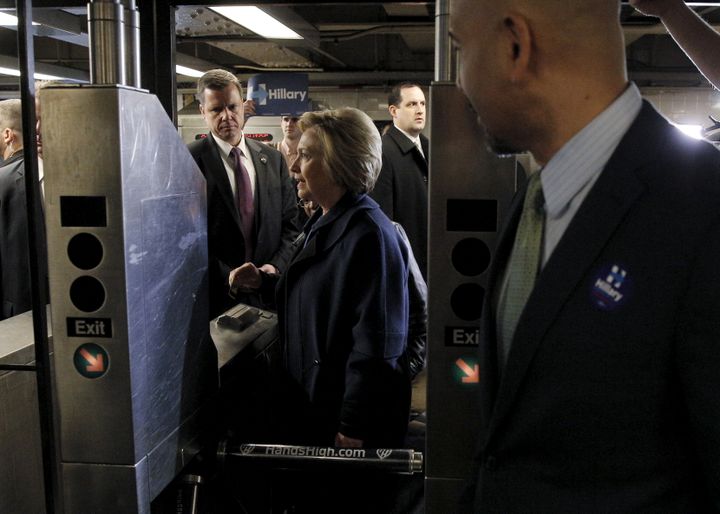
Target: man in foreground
599	349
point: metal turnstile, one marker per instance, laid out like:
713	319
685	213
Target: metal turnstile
125	208
470	192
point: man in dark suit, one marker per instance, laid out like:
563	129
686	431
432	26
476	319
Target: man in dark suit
599	353
14	256
401	189
251	201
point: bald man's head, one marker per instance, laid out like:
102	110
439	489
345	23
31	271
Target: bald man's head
521	59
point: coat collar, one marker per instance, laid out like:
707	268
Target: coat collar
615	191
408	147
323	232
14	158
404	142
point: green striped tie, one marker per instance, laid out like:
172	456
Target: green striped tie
523	267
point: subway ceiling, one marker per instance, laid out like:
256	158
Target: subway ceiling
345	44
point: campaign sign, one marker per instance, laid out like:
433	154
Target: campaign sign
279	94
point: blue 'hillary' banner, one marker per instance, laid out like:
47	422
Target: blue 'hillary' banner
279	94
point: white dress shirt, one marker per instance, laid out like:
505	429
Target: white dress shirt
571	172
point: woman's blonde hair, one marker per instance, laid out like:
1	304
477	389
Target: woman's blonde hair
350	144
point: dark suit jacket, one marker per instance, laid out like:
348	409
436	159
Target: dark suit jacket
401	189
343	312
610	399
275	215
14	256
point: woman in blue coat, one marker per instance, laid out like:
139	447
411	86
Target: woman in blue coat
343	300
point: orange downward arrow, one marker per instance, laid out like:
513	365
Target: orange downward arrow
472	373
96	364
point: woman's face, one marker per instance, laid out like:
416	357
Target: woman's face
313	178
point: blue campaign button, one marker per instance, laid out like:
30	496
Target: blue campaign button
91	360
611	287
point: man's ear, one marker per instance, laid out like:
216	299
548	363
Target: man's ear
393	110
7	135
519	40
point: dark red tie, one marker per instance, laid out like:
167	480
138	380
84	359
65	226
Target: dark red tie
244	202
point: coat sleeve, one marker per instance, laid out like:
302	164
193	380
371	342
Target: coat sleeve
417	326
373	379
289	230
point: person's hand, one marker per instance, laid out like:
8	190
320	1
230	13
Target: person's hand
249	108
245	279
269	269
343	441
653	7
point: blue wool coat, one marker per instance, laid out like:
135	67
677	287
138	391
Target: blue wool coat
343	311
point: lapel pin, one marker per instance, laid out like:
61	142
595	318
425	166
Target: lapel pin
610	287
263	159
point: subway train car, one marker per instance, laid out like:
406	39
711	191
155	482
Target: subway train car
121	391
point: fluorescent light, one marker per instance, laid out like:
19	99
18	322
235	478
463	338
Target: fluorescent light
8	20
38	76
258	21
694	131
45	76
9	71
189	72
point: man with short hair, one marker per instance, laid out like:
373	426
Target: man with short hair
251	201
401	188
599	351
291	137
14	252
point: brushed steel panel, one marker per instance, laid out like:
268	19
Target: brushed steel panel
82	157
461	168
162	365
93	488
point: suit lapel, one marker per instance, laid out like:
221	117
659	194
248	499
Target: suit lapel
488	354
263	183
216	167
606	205
408	147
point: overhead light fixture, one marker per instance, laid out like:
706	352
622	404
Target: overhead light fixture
8	20
38	76
189	72
258	21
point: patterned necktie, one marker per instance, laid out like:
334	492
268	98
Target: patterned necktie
244	201
523	267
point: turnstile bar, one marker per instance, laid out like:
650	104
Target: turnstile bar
403	461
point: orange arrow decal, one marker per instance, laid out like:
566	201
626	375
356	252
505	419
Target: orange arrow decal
96	364
472	374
